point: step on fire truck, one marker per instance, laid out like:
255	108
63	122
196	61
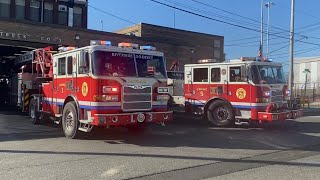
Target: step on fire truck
97	85
240	91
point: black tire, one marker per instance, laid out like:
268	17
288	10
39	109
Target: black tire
33	112
220	114
70	122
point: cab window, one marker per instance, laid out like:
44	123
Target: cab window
62	66
235	74
200	75
215	75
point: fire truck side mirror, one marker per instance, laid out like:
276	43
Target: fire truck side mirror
188	73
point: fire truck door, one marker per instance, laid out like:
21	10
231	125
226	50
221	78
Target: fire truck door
218	80
199	86
71	74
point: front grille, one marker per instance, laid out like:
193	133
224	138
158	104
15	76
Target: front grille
137	98
277	96
139	105
137	89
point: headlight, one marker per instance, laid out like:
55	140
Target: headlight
163	98
110	98
163	90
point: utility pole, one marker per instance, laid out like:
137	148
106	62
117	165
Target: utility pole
261	35
291	74
268	5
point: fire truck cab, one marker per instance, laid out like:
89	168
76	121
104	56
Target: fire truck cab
103	85
241	90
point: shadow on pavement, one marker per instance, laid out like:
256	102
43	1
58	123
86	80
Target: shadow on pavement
183	132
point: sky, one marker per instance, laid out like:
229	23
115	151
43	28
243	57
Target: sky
239	41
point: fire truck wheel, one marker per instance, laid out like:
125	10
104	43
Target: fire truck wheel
33	114
220	114
70	121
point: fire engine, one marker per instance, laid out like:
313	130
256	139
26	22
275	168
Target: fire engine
240	91
98	85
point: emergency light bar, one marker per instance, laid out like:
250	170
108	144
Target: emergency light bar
150	48
97	42
64	49
202	61
128	45
248	58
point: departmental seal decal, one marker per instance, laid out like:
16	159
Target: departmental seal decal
84	89
241	93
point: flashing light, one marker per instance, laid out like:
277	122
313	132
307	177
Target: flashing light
288	93
267	60
128	45
98	42
109	89
150	48
267	93
64	49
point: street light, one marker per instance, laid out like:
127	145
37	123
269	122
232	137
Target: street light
268	5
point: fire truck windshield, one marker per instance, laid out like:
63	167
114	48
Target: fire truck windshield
126	64
267	74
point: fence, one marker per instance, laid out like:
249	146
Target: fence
308	93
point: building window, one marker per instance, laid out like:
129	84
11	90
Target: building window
217	43
5	8
63	15
200	75
215	75
48	13
20	9
77	17
35	10
217	53
62	66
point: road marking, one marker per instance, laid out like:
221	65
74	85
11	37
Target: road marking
110	172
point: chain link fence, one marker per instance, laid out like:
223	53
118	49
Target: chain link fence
308	94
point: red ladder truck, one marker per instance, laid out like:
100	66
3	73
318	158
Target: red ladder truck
240	91
98	85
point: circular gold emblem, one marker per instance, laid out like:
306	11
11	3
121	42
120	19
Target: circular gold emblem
241	93
84	89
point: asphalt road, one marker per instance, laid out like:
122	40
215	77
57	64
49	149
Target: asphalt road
185	149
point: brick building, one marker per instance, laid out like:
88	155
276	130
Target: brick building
30	24
72	13
185	46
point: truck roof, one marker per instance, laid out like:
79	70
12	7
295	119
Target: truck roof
112	48
235	62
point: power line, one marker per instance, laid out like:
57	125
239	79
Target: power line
115	16
224	22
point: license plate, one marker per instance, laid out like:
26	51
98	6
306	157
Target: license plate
275	117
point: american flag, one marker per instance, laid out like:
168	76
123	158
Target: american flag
260	52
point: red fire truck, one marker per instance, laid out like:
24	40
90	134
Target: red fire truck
97	85
240	91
